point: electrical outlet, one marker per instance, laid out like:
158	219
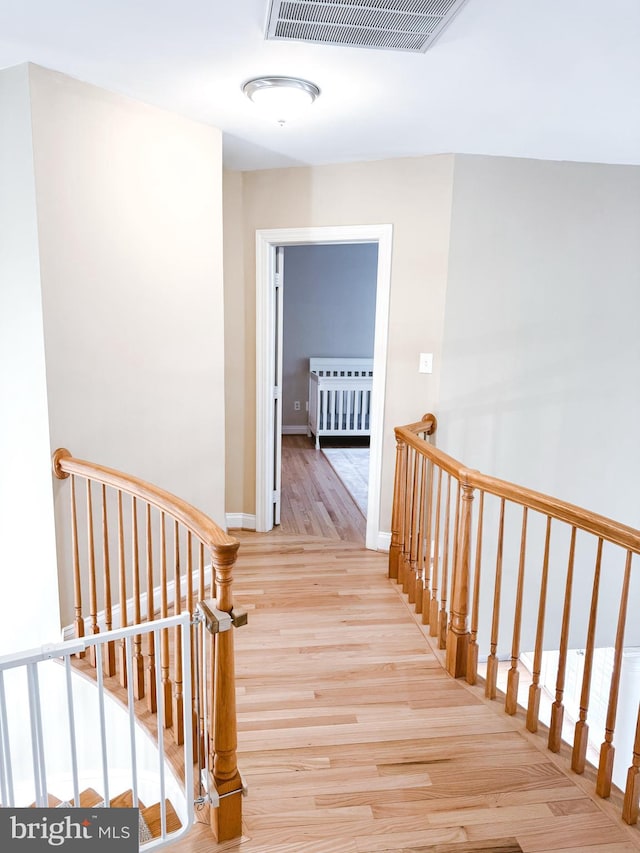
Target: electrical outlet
296	406
425	364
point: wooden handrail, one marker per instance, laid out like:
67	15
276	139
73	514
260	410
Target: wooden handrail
203	527
613	531
431	553
180	528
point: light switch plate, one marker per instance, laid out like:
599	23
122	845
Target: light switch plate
425	365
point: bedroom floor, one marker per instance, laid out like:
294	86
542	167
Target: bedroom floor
351	464
315	502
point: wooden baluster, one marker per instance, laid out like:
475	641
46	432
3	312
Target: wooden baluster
412	574
458	633
581	733
108	649
150	672
513	678
490	686
607	750
91	562
122	586
533	707
433	607
226	820
454	560
632	789
189	602
77	581
164	637
557	708
178	699
420	542
138	660
397	513
405	561
443	622
472	652
201	584
426	593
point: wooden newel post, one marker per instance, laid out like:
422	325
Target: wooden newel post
458	633
398	510
226	819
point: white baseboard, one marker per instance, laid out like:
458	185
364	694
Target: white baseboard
293	429
240	521
68	632
384	540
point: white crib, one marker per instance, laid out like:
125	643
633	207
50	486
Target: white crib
339	397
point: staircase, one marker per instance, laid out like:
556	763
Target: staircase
150	816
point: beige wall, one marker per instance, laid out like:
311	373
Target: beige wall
541	354
414	195
30	614
129	202
240	406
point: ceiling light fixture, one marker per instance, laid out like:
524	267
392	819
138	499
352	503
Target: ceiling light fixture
282	98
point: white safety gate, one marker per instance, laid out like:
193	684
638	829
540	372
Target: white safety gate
60	733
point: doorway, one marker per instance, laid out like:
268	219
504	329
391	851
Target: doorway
269	367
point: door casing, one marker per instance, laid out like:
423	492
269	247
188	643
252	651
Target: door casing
267	240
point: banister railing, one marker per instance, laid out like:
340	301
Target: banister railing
521	574
161	556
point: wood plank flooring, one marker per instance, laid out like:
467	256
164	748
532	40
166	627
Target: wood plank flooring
314	500
353	739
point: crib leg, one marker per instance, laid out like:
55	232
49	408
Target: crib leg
317	442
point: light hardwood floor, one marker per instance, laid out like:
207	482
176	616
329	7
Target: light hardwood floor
353	739
314	500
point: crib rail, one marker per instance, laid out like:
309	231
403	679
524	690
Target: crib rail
504	580
339	406
137	553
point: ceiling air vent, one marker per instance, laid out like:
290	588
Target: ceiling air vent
409	25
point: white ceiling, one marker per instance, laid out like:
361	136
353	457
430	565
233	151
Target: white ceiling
552	79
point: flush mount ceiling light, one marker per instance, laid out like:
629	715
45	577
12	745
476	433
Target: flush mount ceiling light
282	98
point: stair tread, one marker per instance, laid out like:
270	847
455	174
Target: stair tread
125	801
88	798
52	802
153	820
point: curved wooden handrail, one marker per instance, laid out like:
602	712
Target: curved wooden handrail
197	522
613	531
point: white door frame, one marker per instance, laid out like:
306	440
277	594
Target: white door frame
266	242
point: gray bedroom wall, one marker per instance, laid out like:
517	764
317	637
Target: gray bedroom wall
329	310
